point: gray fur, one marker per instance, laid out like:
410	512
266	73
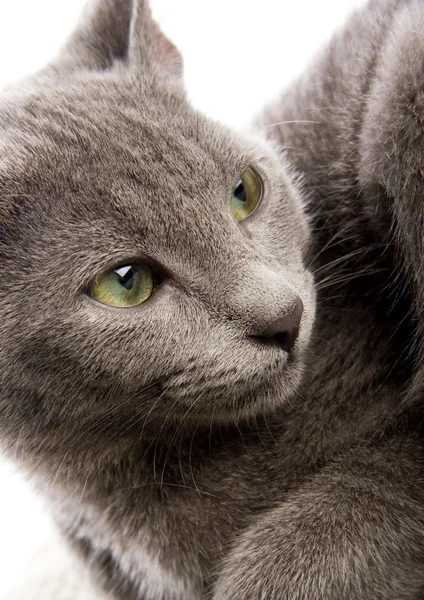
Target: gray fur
183	459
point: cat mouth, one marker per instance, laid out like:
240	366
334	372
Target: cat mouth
230	395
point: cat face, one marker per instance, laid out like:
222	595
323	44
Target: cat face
105	165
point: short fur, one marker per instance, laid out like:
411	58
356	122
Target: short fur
181	457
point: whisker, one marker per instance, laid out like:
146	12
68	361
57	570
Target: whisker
158	434
334	279
155	403
297	122
85	483
189	456
166	483
339	260
177	432
104	420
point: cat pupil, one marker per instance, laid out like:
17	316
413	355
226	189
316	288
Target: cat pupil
240	192
127	280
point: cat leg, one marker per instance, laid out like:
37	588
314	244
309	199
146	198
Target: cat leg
355	531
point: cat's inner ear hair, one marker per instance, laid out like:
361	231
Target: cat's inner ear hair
124	32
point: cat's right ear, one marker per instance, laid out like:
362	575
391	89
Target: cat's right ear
119	32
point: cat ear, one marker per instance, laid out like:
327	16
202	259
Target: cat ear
120	31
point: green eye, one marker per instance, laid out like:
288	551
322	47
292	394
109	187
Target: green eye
125	286
246	195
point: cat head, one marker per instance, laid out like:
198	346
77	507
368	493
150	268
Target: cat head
152	260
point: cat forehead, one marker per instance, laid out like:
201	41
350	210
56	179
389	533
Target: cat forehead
100	167
98	119
109	135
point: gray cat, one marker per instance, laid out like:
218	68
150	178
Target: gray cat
196	434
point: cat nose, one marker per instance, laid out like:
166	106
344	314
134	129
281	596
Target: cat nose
285	329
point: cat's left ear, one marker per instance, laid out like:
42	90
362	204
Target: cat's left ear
120	31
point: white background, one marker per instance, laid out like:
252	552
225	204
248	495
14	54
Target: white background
237	53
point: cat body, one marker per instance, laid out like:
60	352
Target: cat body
182	453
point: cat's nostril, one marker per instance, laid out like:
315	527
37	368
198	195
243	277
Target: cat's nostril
285	329
286	340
